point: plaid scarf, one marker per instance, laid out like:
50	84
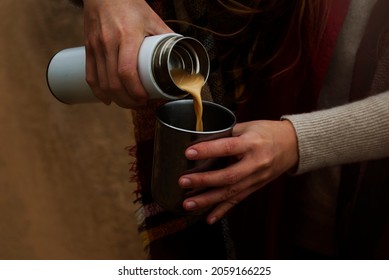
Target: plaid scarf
169	236
166	235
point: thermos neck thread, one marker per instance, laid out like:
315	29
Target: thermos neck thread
177	52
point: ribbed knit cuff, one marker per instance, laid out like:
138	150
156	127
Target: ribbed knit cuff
350	133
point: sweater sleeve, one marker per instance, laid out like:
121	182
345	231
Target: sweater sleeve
349	133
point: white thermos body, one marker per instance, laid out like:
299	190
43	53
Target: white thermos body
158	56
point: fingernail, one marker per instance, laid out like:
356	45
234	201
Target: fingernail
185	182
191	153
212	220
190	205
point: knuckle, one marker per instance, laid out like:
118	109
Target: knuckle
91	80
229	147
229	203
231	178
263	177
267	160
88	45
115	86
232	202
125	71
230	192
106	38
90	42
264	153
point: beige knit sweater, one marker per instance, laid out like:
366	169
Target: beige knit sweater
339	133
350	133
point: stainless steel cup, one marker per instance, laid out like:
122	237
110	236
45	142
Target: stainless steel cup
175	131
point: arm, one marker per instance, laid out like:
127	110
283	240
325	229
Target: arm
351	133
114	31
266	149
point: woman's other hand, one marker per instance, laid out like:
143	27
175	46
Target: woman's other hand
263	151
114	31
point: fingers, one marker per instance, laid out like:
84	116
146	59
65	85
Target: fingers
92	76
221	209
217	148
230	185
114	77
224	198
222	193
222	177
127	69
114	32
264	149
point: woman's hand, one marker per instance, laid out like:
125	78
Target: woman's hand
114	31
263	149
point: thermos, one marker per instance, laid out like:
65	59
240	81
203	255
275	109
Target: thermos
157	57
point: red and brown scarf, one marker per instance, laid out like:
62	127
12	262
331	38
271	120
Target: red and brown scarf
258	227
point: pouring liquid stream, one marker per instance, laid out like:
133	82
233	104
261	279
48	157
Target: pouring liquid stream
192	84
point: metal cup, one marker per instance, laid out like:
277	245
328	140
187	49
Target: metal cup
175	131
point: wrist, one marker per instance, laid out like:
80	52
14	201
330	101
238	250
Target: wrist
291	146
